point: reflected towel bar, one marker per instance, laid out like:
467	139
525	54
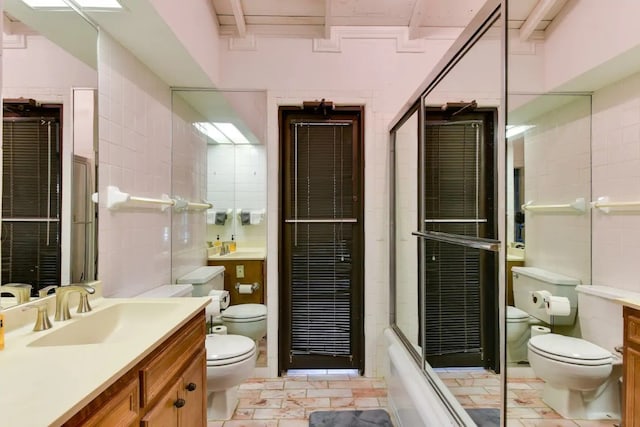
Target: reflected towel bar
604	205
456	239
579	206
116	198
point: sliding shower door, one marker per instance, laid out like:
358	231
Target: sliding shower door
458	199
321	285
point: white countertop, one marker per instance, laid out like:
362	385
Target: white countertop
248	254
45	386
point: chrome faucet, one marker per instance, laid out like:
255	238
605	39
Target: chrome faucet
21	291
62	300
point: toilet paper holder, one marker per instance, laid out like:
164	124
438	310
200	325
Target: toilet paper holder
254	286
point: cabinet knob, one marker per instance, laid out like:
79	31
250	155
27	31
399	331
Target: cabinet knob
179	403
191	386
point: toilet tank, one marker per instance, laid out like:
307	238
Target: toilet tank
204	280
527	280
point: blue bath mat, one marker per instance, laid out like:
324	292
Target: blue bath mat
485	417
368	418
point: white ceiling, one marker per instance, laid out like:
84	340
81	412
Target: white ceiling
314	18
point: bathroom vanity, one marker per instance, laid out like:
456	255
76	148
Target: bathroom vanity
165	388
137	361
631	378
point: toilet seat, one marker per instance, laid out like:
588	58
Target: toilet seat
245	313
575	351
228	349
515	315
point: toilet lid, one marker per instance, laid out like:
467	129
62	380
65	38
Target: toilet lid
515	314
569	349
245	312
226	349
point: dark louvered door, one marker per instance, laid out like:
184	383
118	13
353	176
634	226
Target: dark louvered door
31	202
460	282
322	231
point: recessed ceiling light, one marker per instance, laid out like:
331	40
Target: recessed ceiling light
99	4
212	132
232	133
84	4
513	130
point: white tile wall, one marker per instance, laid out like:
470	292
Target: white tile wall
616	173
557	165
135	155
237	179
189	182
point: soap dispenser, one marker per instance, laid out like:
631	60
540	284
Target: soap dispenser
217	243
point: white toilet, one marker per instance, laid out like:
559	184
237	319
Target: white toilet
519	325
230	359
249	320
530	312
581	375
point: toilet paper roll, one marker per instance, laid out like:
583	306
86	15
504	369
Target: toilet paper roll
245	289
538	298
213	309
539	330
223	296
558	306
219	330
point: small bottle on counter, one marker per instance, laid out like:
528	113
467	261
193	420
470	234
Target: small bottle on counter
232	245
217	243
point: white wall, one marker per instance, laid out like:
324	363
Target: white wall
557	171
366	72
47	73
616	173
237	179
189	182
135	155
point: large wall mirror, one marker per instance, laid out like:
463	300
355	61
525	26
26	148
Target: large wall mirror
445	201
227	129
49	91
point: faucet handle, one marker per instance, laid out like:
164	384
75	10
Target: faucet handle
42	318
45	291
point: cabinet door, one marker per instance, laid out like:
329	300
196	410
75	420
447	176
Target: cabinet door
121	409
166	412
632	388
194	412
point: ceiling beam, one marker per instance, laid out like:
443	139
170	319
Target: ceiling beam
328	18
540	10
416	16
238	14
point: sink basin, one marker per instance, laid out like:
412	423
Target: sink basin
115	323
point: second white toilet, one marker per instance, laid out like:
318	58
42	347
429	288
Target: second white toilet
249	320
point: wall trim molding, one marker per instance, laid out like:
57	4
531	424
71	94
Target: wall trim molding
400	34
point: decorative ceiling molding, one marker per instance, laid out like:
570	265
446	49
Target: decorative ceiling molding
14	41
247	43
399	34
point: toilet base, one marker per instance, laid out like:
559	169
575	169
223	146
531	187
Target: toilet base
222	404
592	405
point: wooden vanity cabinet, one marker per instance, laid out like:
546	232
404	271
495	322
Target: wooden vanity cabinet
167	388
253	273
631	375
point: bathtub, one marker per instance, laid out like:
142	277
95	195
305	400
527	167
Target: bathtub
414	400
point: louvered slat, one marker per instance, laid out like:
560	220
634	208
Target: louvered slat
31	190
321	258
452	273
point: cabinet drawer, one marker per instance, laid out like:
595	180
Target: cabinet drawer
633	328
118	406
169	360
